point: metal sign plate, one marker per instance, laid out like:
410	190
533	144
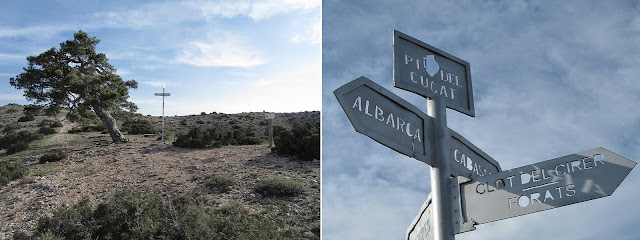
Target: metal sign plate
425	70
270	116
545	185
468	160
162	94
383	116
420	228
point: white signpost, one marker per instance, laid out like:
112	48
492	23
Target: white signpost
481	192
163	94
270	117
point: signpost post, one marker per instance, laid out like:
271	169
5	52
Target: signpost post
163	94
270	117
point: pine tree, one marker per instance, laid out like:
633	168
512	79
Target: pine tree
75	76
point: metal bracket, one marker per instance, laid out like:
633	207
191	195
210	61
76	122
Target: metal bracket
458	221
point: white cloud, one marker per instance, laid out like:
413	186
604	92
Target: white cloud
160	84
226	51
294	90
41	31
311	34
256	10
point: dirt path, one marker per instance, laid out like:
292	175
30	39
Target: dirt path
63	134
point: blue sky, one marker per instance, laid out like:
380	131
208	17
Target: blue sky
225	56
550	78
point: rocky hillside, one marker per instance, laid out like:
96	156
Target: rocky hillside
96	169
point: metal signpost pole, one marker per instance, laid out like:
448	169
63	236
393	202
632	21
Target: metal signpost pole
163	94
440	172
270	133
162	141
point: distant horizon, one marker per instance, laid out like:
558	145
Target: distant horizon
199	113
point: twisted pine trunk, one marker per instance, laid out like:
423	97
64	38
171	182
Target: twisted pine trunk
110	123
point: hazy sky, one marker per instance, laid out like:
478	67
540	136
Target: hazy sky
225	55
550	78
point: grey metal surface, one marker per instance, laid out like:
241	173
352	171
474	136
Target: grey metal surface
425	70
386	118
422	226
440	172
459	223
468	160
545	185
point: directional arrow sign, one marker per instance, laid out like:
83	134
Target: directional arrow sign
545	185
421	227
383	116
468	160
425	70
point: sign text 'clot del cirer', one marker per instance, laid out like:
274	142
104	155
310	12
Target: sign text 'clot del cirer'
468	187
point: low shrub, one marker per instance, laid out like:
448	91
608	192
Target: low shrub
219	183
214	137
11	171
139	126
279	187
50	123
17	147
10	128
89	128
18	141
135	214
26	118
47	130
52	157
302	141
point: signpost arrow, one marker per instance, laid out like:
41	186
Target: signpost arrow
545	185
425	70
422	226
468	160
383	116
